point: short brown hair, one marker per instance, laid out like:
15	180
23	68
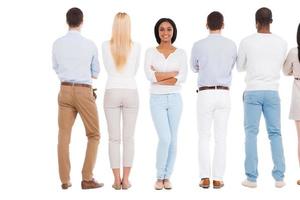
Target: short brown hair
74	17
215	21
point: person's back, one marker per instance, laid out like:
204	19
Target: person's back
126	77
292	68
74	55
211	53
121	102
264	55
75	62
213	59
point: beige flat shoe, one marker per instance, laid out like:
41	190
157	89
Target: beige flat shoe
126	186
116	186
167	184
159	185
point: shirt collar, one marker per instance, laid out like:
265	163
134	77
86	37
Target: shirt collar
214	34
73	32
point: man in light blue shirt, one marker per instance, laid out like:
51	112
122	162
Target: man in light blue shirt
213	59
75	58
75	61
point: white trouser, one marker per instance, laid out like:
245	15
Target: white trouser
213	106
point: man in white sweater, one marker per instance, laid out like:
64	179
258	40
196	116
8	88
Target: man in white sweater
262	55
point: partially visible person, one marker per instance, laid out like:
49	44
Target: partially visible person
75	61
292	68
121	60
166	69
262	56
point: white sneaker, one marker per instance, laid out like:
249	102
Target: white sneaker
249	184
279	184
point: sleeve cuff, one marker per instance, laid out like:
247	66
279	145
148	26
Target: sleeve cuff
95	74
153	77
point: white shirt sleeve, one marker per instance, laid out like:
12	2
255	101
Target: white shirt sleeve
182	74
138	54
150	74
242	58
105	54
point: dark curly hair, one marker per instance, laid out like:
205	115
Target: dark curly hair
263	16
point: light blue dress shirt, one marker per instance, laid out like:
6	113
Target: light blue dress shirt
213	59
75	58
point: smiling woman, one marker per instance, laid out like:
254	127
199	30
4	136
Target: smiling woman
166	68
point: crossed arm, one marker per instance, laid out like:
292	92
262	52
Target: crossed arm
165	78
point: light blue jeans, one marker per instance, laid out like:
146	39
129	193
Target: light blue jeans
166	111
268	103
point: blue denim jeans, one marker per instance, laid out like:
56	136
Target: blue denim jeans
166	111
268	103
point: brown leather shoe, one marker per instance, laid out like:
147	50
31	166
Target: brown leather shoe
65	186
218	184
204	183
91	184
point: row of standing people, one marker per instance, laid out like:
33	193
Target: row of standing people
261	55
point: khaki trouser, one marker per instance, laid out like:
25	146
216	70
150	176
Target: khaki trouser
121	104
73	100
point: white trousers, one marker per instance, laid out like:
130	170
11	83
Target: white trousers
213	107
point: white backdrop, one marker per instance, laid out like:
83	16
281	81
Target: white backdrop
29	88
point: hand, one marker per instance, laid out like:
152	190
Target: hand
152	68
175	72
170	81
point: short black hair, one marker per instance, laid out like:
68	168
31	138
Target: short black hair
74	17
156	29
263	16
215	21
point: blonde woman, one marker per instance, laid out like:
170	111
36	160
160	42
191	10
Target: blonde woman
121	60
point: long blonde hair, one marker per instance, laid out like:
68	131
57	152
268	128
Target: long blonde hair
120	42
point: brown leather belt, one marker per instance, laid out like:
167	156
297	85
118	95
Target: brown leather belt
297	79
76	84
217	87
